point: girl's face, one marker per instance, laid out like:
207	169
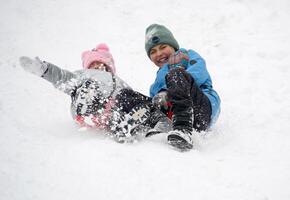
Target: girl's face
98	65
160	54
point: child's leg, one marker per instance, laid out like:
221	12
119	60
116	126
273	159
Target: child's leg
137	114
127	99
187	100
179	94
202	109
131	110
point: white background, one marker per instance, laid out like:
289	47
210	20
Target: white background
43	154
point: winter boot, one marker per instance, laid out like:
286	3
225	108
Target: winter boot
181	136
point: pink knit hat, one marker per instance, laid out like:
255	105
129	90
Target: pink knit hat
102	54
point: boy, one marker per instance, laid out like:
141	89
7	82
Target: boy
182	86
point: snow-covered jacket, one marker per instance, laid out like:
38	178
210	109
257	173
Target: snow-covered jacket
197	69
66	81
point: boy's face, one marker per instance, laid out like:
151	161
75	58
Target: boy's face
160	54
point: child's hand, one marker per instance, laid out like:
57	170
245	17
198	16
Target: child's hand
160	100
178	59
34	66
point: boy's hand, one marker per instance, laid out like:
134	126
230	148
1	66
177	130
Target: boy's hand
178	59
34	66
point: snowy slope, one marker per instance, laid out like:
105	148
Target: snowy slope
43	155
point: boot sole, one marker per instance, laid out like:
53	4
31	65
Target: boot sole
179	143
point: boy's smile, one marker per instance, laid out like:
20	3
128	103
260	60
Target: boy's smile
160	54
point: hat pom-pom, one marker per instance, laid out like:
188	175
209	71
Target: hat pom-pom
102	47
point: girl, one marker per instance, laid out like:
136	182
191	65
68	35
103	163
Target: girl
99	97
183	83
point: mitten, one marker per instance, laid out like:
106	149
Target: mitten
34	66
178	59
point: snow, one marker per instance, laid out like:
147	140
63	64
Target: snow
43	154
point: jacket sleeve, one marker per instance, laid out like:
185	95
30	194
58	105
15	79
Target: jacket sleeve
197	68
63	80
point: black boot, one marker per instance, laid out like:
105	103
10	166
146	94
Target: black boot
179	84
181	136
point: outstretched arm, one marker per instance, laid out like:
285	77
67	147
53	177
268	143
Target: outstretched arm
63	80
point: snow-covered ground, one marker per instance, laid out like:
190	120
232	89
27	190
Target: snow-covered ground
246	156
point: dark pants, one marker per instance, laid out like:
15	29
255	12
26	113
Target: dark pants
185	95
127	99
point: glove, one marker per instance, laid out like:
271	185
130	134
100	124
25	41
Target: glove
34	66
178	59
160	100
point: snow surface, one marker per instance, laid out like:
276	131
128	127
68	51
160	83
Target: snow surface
43	154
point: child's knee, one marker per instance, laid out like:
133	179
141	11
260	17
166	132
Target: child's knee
178	76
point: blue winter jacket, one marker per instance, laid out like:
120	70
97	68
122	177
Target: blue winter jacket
201	76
